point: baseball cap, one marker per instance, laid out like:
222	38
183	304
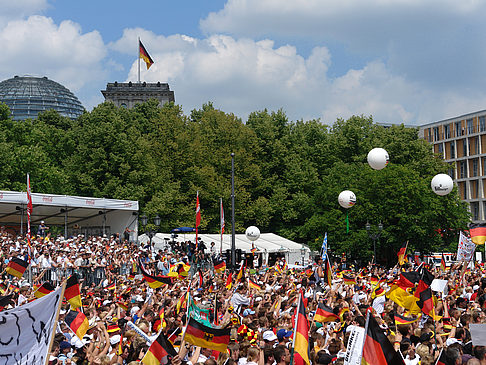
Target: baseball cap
247	312
64	345
269	336
282	333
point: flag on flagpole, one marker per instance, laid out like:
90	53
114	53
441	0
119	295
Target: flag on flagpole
377	349
204	336
198	216
222	217
327	272
16	267
229	281
155	281
442	263
252	284
399	319
324	247
325	314
219	265
72	292
43	290
78	323
143	54
159	352
30	208
401	253
301	335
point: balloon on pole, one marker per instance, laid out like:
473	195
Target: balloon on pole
378	158
442	184
252	233
347	199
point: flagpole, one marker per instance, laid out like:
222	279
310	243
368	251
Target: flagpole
197	199
139	60
54	327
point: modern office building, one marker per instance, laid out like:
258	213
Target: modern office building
461	141
27	96
128	94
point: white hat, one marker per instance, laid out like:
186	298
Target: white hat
134	310
475	287
269	336
115	339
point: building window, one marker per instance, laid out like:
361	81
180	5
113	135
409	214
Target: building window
475	167
482	124
475	211
470	127
462	169
429	134
447	131
450	172
453	149
440	148
436	134
464	147
458	129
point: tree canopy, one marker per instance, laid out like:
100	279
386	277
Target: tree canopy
288	174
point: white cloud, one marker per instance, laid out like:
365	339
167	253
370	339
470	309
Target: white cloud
38	46
243	75
18	9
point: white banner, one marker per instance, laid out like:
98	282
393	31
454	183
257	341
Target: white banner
465	248
355	346
25	331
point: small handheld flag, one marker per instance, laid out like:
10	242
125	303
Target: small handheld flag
16	267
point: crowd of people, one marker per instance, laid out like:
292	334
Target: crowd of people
126	315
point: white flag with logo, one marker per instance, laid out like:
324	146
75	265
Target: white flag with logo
465	248
25	331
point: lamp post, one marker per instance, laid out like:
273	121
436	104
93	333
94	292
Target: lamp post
302	252
150	233
374	236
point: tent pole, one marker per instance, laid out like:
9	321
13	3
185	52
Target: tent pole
65	223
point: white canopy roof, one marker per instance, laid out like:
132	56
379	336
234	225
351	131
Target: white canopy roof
268	242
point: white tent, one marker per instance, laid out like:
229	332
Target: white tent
266	244
78	215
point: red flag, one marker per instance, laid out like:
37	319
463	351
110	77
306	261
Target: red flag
29	213
198	211
222	217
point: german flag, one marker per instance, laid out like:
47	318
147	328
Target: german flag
327	272
401	253
16	267
424	293
201	280
377	349
478	233
155	281
131	276
173	336
207	337
183	270
119	350
219	266
159	352
112	328
349	280
229	281
446	321
442	360
72	293
301	335
408	279
122	305
374	280
5	300
43	290
378	291
78	322
325	314
241	272
399	319
182	302
341	313
112	286
253	285
443	263
144	55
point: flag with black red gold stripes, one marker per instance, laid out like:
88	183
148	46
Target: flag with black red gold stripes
207	337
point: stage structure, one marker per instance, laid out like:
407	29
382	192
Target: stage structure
77	215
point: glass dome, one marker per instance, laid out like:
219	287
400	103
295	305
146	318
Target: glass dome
27	96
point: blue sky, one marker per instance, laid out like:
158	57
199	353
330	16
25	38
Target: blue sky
400	61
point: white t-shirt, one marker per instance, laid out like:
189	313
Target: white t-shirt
379	304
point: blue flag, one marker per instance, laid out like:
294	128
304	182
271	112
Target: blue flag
324	248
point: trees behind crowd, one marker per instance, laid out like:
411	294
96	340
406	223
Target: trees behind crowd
288	174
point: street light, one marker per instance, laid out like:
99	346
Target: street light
374	235
150	233
302	252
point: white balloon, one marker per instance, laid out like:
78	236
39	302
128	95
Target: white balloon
378	158
347	199
252	233
442	184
